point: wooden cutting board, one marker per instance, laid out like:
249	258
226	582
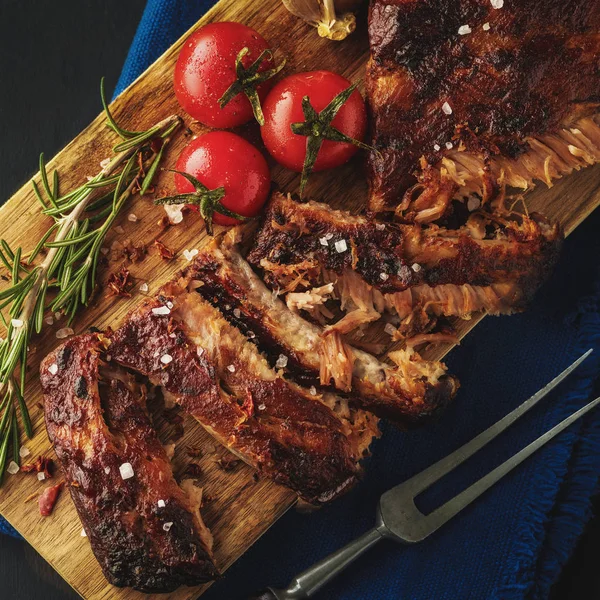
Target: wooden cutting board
239	508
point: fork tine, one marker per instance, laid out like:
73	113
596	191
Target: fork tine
424	479
445	512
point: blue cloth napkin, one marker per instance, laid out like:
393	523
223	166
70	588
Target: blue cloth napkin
510	544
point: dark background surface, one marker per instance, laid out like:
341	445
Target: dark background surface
52	55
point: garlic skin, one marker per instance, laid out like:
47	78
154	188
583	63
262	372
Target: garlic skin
334	19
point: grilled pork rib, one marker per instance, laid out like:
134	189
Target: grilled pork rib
217	376
97	422
515	97
376	267
404	393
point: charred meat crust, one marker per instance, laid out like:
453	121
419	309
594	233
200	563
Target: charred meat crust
375	386
505	83
301	239
95	431
222	380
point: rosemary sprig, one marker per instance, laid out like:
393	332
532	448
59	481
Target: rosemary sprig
82	218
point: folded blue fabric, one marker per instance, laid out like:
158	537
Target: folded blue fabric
512	543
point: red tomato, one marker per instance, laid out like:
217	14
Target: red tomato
283	107
206	68
223	159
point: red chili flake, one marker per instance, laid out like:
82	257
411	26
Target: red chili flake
134	253
193	452
228	462
193	470
177	432
119	283
165	253
43	464
48	499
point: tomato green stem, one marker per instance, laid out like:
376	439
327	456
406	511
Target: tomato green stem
317	127
208	201
248	79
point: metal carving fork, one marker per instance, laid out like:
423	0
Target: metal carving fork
399	519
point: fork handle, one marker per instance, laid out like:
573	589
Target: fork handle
314	578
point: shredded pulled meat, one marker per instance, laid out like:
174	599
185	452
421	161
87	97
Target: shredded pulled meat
494	262
313	354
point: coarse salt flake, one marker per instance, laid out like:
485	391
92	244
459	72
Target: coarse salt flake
389	329
486	27
237	313
173	335
473	204
104	163
144	287
261	407
49	320
24	451
83	533
380	226
341	246
126	471
436	147
449	145
328	236
161	310
464	30
231	368
312	390
165	359
63	333
446	109
161	504
169	305
282	361
132	217
497	3
251	335
416	267
16	323
13	467
108	358
189	254
119	229
323	241
384	276
167	526
41	476
104	251
174	213
107	470
53	369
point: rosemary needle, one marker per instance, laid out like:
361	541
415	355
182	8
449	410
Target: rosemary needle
82	218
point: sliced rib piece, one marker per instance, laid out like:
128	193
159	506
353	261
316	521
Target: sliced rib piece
208	367
404	393
515	98
493	263
117	471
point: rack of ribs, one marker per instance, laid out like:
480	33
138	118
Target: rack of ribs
145	530
471	100
493	263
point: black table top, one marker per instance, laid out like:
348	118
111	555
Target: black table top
52	57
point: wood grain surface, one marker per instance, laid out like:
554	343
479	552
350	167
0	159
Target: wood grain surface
240	509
